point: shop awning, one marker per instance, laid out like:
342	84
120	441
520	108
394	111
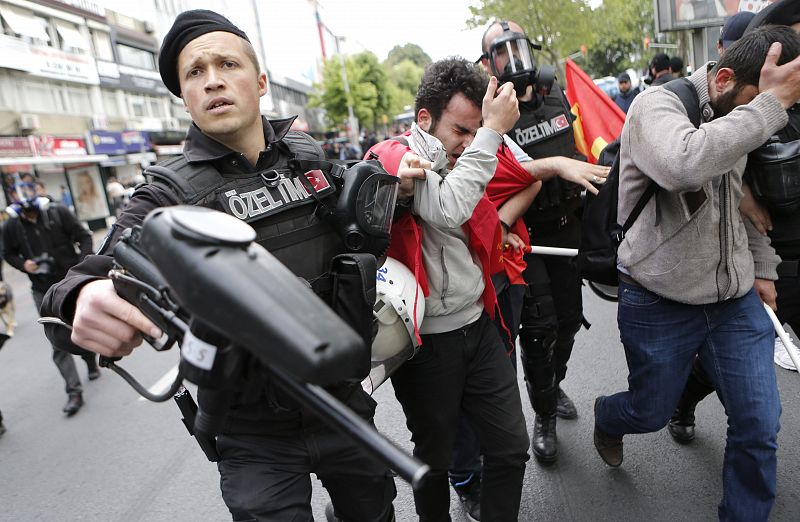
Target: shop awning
23	23
38	160
72	37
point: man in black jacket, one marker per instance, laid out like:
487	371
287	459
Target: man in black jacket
268	444
40	239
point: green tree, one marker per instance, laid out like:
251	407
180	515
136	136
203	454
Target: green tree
560	26
620	29
411	52
368	90
403	80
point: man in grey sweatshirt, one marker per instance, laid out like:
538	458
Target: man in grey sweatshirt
462	363
692	271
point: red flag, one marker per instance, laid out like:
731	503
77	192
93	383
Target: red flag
598	120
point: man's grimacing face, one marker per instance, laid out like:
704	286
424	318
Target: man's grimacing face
455	128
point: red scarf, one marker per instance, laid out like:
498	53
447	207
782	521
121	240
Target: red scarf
509	178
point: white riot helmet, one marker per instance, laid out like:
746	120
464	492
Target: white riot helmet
398	297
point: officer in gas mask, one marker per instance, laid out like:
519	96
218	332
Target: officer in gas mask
552	307
43	239
325	224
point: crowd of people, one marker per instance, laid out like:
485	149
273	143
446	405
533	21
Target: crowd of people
480	181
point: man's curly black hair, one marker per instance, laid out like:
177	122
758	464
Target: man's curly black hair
444	79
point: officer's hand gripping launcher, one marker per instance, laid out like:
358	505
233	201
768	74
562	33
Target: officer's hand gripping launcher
198	275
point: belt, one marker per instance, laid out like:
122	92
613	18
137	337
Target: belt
789	268
625	278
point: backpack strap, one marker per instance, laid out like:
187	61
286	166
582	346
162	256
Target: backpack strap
686	92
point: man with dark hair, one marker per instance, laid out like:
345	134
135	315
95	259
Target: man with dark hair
626	94
445	162
773	205
693	272
676	66
659	70
269	445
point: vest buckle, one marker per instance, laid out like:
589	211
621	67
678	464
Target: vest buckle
271	178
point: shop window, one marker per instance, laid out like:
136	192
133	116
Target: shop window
134	57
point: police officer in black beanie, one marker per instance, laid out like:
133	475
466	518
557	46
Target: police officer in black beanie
268	445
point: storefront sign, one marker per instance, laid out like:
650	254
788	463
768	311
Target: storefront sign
51	146
130	78
118	143
16	146
47	62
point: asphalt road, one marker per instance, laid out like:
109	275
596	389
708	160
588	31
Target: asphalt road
124	459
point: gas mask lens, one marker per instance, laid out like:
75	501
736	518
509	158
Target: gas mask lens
26	193
375	203
511	56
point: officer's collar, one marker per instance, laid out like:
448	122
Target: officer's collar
200	147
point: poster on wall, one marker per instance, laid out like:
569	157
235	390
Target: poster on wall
674	15
88	193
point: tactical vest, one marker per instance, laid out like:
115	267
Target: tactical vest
276	202
542	133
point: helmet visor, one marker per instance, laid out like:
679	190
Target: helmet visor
375	203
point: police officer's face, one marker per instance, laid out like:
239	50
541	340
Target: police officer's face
221	87
455	128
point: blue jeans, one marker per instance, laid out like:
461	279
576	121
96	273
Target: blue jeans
734	341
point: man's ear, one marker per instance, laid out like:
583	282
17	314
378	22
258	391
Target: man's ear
424	119
262	84
185	107
724	79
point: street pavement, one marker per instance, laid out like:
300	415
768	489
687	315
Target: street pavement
125	459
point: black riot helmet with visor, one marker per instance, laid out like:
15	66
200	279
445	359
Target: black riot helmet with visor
510	58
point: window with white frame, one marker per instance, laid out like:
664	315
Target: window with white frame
111	104
102	46
138	107
39	96
72	39
78	100
135	57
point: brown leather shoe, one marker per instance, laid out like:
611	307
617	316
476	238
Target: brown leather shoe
609	448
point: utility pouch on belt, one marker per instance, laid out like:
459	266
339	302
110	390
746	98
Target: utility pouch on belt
352	297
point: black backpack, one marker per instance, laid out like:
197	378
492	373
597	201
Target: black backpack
601	234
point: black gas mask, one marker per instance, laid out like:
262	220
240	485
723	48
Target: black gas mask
510	58
363	213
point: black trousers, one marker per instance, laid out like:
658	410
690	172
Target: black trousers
467	369
266	478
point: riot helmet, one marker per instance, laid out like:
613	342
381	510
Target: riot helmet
510	58
398	313
774	173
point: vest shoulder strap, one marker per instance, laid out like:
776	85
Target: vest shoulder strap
192	183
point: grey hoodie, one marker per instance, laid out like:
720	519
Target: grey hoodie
690	243
444	201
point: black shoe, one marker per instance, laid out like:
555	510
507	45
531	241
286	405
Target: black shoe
74	403
544	443
470	496
94	370
681	425
565	408
609	448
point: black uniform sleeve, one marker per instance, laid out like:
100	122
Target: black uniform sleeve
12	251
60	299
